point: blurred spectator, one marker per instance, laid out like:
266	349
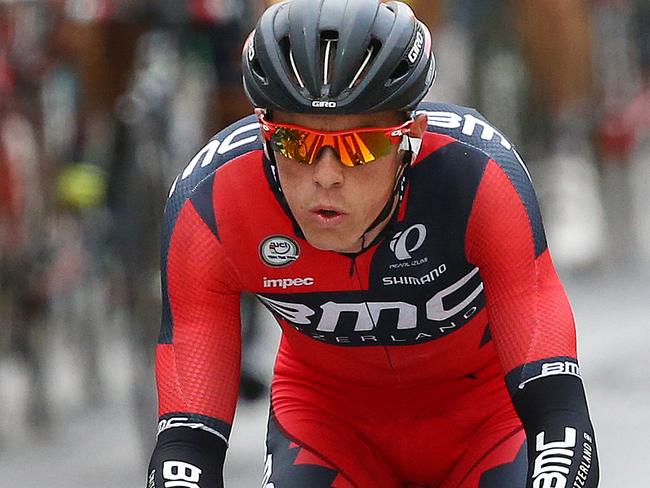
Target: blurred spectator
550	39
87	89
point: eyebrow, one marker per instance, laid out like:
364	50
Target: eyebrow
287	118
336	127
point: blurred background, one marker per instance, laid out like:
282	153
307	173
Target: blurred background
102	102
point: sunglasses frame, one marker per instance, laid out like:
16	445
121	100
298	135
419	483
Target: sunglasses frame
397	135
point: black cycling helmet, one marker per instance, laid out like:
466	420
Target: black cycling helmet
338	57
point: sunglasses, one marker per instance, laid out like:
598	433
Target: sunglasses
353	147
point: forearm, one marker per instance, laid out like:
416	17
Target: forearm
553	410
187	457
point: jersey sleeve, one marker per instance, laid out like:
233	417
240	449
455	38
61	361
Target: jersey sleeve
532	326
198	351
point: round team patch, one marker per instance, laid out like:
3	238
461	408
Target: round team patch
278	251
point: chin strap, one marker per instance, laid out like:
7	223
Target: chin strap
411	147
271	170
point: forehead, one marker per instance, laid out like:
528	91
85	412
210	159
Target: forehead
340	122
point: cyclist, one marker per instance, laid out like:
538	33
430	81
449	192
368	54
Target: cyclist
427	340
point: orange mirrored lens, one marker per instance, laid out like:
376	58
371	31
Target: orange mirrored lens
353	148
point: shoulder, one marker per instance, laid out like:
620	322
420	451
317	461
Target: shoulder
463	123
230	144
467	126
506	170
235	145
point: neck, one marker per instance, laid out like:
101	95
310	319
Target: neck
375	229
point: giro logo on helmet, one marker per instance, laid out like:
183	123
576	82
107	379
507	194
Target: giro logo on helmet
323	104
417	48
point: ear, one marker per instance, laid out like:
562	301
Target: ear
419	126
418	129
259	112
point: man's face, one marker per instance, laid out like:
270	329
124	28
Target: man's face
335	204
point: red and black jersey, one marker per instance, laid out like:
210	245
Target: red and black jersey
461	280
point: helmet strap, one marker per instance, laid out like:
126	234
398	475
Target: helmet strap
393	203
271	170
410	145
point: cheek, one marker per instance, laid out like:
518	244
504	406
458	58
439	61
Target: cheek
376	183
294	179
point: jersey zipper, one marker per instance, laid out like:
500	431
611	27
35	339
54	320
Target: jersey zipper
353	265
352	272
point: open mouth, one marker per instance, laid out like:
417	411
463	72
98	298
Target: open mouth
328	213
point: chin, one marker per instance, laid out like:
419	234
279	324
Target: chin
331	242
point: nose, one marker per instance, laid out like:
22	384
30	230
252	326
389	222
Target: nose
328	170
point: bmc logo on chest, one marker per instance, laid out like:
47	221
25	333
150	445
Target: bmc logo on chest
368	313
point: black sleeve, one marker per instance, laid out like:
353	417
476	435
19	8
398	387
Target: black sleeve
561	443
187	458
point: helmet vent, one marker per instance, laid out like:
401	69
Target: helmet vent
285	46
256	68
402	70
295	70
371	53
329	40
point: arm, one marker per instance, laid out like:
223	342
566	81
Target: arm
533	329
198	354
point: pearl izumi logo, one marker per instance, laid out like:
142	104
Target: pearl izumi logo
278	251
408	241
